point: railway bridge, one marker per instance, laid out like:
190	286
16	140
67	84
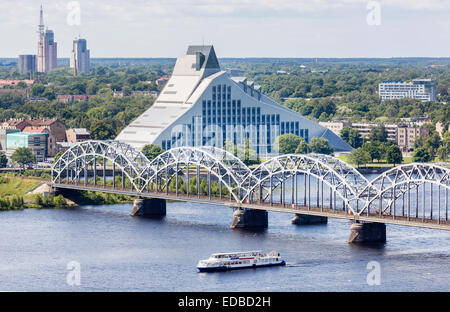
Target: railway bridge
313	187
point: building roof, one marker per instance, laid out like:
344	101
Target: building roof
83	131
15	82
32	129
42	122
209	54
15	122
21	91
25	133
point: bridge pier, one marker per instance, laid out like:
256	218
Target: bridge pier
149	208
367	233
250	219
301	219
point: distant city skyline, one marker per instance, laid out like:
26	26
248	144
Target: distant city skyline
253	28
47	48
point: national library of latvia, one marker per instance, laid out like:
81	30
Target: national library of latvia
203	106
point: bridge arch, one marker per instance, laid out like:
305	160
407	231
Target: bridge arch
229	170
75	163
413	185
342	179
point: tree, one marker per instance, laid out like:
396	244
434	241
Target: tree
101	130
373	148
383	148
3	160
423	154
287	143
359	156
393	155
244	153
37	89
379	134
23	156
151	151
320	146
57	156
443	152
351	136
49	93
302	147
250	155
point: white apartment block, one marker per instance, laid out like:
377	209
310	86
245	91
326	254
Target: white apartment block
421	89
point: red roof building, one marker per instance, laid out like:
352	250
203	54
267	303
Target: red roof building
162	81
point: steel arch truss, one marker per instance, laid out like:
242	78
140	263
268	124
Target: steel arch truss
82	161
412	184
342	179
227	169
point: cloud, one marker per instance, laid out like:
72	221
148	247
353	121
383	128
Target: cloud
134	10
238	27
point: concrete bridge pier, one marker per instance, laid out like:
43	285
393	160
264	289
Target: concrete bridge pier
250	219
301	219
367	233
149	208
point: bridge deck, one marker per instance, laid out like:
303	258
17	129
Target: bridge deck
276	207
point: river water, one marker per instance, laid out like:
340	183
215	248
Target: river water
117	252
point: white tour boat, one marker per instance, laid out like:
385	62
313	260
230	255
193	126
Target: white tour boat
239	260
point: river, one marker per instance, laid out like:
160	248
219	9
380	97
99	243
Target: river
117	252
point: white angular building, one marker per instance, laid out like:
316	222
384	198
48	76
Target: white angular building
203	106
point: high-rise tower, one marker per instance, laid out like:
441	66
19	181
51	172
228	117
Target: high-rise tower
80	57
47	47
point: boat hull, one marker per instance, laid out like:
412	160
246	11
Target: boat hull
225	268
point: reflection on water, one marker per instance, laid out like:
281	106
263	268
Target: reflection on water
119	252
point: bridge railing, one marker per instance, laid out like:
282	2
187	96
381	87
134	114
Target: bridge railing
312	182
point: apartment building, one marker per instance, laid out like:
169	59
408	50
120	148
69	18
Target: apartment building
422	89
76	135
36	142
403	134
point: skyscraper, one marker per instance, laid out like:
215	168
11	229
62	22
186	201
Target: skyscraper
27	63
47	48
80	57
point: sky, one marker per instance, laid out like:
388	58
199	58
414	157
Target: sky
236	28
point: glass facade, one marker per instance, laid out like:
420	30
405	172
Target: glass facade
225	118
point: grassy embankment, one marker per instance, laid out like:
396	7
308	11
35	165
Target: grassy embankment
376	164
13	195
14	189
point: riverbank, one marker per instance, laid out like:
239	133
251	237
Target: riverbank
19	192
